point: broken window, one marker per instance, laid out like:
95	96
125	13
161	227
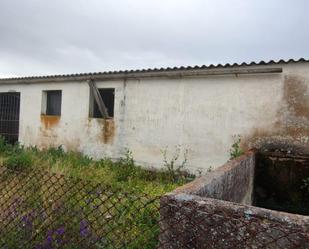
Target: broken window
51	104
108	97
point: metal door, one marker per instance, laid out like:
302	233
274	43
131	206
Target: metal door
9	116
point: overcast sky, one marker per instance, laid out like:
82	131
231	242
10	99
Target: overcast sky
39	37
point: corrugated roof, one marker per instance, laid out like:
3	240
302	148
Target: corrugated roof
154	70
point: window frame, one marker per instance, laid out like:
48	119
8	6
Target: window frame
46	110
92	103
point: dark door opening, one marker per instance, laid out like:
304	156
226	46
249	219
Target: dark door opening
9	116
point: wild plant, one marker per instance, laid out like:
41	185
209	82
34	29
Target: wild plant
175	168
236	150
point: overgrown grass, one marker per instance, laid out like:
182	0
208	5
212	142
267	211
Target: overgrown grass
123	173
129	201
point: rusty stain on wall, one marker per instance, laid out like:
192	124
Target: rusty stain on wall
291	127
49	121
48	137
107	129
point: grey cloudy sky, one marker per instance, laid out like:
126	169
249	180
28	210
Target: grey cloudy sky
40	37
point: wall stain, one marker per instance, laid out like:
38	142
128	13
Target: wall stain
107	129
49	121
296	96
290	131
48	137
71	144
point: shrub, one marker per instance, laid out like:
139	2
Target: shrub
19	161
126	167
6	148
175	169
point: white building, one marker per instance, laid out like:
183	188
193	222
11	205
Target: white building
198	109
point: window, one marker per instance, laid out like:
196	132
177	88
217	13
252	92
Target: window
51	102
108	97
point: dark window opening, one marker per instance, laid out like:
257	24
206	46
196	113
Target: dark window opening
9	116
108	97
53	103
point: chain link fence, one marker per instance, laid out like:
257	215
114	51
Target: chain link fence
43	211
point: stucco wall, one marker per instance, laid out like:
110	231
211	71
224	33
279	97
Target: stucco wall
200	114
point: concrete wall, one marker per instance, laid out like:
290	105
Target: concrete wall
213	212
189	221
200	114
231	182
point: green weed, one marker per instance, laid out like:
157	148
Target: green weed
174	168
236	150
132	219
121	173
19	161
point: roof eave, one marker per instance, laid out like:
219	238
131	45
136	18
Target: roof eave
141	75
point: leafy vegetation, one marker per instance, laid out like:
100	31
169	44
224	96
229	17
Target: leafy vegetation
122	173
19	161
236	150
125	193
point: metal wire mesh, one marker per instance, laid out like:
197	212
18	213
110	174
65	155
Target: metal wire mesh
43	210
